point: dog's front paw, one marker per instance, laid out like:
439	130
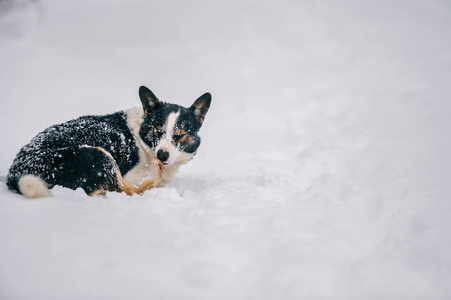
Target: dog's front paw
156	171
159	169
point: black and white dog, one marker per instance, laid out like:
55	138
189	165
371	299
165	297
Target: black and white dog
129	151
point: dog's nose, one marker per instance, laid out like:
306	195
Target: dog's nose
162	155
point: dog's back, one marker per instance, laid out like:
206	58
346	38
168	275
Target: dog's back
60	155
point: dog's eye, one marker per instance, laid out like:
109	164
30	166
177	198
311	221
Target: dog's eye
157	131
179	133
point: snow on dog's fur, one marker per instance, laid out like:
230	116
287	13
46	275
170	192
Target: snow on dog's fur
129	151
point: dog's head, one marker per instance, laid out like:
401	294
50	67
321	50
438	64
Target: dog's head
170	130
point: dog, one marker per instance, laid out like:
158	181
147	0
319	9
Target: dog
128	151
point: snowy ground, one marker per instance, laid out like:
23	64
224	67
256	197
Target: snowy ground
324	169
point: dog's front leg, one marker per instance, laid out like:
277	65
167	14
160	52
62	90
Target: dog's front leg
149	182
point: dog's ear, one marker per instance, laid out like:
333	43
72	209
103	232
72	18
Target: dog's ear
200	106
148	99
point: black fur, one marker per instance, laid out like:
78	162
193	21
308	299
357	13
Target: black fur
57	155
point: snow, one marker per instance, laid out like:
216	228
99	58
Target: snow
323	171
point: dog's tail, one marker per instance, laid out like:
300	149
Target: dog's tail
30	186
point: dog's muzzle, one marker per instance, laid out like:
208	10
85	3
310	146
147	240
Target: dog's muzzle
162	155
